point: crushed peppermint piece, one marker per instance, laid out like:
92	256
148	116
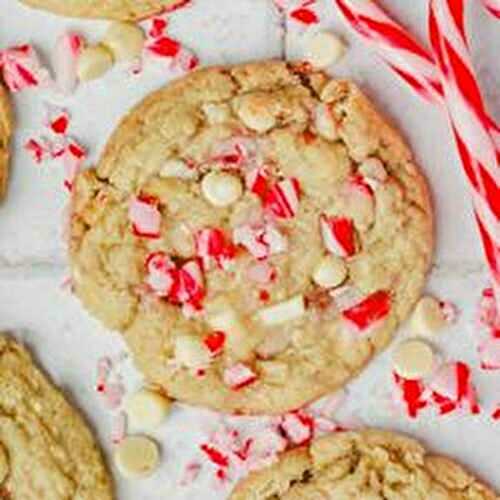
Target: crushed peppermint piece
489	353
256	181
488	316
367	313
239	376
215	342
215	456
298	427
118	427
191	473
411	395
73	157
66	53
158	27
283	198
38	149
495	415
338	235
145	216
260	240
213	246
57	119
305	16
161	273
235	152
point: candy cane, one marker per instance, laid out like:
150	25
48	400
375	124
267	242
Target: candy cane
469	122
493	7
419	69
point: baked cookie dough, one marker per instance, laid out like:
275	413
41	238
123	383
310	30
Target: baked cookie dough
6	124
365	465
123	10
256	232
46	449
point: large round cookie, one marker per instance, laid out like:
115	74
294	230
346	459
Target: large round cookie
124	10
328	162
6	123
367	465
46	449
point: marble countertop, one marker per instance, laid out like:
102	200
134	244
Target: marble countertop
40	311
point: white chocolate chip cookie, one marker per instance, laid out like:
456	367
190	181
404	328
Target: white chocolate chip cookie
46	449
123	10
6	124
364	465
199	236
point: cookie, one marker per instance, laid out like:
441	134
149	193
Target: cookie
46	449
6	124
200	232
123	10
362	465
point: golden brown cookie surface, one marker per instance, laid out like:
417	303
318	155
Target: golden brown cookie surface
366	465
46	449
257	233
6	124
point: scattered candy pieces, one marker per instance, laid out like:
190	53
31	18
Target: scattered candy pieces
489	353
145	216
338	235
215	342
411	395
147	409
488	315
73	157
161	273
65	59
324	49
260	240
298	427
118	427
413	360
239	376
369	312
212	246
136	457
283	198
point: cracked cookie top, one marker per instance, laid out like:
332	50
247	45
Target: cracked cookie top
256	232
6	123
123	10
46	449
366	465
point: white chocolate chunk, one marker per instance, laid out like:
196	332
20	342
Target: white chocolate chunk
413	360
330	272
177	168
93	63
325	123
147	409
221	189
136	457
274	344
191	353
373	170
428	317
324	49
217	113
254	112
4	464
124	40
274	372
282	312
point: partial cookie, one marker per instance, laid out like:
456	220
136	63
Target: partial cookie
6	124
200	233
123	10
46	449
364	465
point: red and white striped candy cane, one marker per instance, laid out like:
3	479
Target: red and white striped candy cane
469	122
401	51
418	68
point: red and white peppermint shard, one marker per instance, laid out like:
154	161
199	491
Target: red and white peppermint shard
261	241
493	7
298	427
411	393
256	181
66	52
489	354
282	199
73	157
21	68
189	288
212	246
215	342
164	47
369	312
451	388
338	235
145	216
235	152
239	376
162	273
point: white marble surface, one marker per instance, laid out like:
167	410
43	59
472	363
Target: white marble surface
68	343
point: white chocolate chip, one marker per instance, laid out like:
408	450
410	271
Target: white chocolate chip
93	62
330	272
216	113
325	123
428	317
177	168
191	353
373	169
324	49
254	112
147	409
274	372
282	312
4	464
221	189
413	360
136	457
124	40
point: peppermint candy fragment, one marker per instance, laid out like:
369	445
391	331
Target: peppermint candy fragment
370	311
189	289
164	46
488	315
118	428
489	353
304	16
191	473
212	246
161	273
66	52
21	68
38	149
283	198
298	427
145	216
411	395
261	241
256	181
57	119
235	152
239	376
338	235
73	157
215	342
